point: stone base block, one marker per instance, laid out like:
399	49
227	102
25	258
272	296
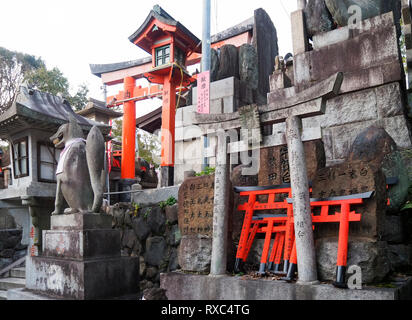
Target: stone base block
181	286
85	244
83	280
80	221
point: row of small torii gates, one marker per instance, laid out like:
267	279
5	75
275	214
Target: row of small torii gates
173	48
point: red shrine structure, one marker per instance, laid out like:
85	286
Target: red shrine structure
169	43
172	48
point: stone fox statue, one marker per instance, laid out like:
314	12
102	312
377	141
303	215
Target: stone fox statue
80	171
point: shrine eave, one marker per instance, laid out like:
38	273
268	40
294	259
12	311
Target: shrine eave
161	15
40	110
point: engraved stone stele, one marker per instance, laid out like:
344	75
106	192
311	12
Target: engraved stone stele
195	216
353	177
81	260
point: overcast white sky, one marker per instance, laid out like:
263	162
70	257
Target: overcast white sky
72	34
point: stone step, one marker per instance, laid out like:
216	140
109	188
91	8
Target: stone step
3	295
11	283
18	273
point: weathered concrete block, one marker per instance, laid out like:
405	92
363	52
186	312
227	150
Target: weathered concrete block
371	256
299	36
195	253
321	40
83	280
85	244
79	221
220	89
150	197
216	106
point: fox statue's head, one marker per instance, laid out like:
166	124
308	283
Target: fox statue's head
66	132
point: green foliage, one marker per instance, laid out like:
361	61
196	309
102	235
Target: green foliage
206	172
148	144
136	208
54	82
169	202
13	68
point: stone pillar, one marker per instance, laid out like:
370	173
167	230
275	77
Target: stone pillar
299	35
305	245
220	210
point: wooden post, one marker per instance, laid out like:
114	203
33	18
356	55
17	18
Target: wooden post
128	132
168	133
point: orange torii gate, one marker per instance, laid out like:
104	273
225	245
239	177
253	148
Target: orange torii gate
169	43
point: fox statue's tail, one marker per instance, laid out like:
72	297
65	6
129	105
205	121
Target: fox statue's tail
95	150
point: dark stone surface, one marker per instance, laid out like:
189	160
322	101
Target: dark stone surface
371	256
83	280
394	230
370	8
375	146
318	18
400	256
156	249
228	62
140	227
248	65
172	214
215	65
173	260
173	235
154	294
156	220
265	41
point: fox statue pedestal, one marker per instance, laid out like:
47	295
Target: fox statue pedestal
81	260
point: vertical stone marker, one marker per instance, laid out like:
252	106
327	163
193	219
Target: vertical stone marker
221	208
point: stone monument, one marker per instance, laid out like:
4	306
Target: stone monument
81	253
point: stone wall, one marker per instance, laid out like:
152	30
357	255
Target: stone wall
153	235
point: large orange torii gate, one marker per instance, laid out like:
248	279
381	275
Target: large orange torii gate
169	43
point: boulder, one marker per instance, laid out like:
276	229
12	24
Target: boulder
172	213
156	249
371	256
129	238
156	220
228	62
140	227
318	18
151	273
375	146
248	65
400	257
173	235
